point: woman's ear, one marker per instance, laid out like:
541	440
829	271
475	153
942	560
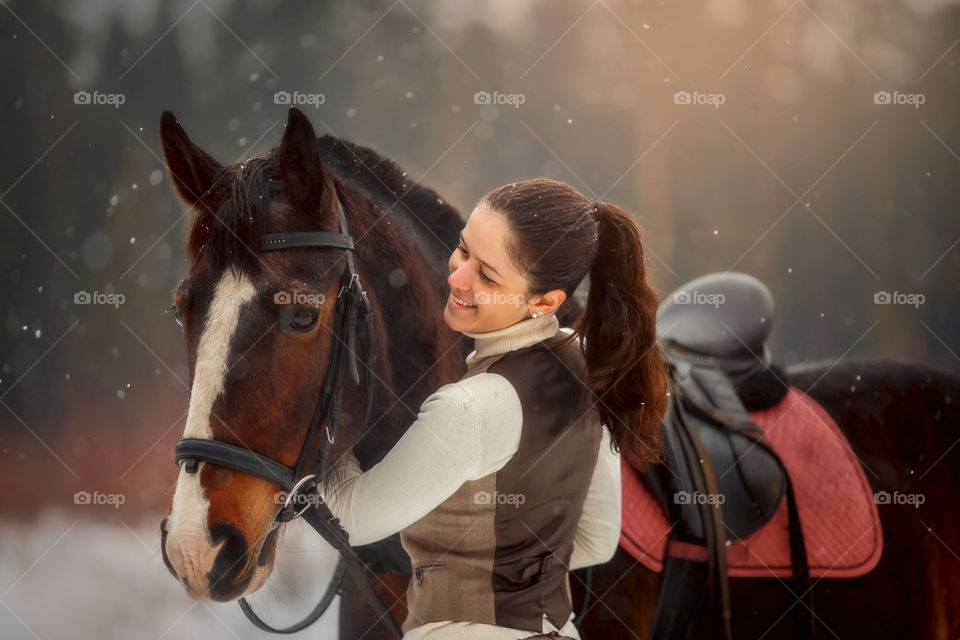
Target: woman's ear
548	301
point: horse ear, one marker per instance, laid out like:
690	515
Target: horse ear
191	169
301	167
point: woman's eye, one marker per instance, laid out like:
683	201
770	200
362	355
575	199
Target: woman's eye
482	275
303	319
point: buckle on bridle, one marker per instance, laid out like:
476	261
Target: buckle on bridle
351	285
283	515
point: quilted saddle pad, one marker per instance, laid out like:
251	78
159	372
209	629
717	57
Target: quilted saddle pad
840	522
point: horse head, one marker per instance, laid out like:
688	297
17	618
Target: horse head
258	327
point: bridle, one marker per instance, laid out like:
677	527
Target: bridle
300	481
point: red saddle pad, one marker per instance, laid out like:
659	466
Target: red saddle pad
840	522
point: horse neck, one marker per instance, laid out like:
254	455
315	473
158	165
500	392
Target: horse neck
407	290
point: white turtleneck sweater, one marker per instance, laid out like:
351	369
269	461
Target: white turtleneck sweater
465	431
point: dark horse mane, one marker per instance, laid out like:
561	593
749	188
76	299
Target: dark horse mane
230	234
382	180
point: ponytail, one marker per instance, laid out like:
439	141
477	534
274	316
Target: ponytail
625	367
558	237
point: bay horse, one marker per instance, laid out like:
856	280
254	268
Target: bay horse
258	332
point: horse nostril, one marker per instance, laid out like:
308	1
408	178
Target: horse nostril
230	563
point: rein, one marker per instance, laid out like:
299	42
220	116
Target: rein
300	481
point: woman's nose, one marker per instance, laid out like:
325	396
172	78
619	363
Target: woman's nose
458	278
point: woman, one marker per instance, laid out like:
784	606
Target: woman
507	480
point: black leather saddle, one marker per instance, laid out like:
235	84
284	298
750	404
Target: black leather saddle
720	480
713	330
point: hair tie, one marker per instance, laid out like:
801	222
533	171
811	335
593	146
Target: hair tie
597	205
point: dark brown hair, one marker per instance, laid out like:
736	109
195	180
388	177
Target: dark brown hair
558	237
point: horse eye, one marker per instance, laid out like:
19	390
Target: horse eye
303	319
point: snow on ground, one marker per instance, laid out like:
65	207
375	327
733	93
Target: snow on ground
67	577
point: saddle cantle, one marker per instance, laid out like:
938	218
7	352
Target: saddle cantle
721	320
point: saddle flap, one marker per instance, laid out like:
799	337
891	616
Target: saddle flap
750	481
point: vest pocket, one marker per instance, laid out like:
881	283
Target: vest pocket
428	594
427	570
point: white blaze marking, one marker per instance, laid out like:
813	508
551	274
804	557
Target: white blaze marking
189	511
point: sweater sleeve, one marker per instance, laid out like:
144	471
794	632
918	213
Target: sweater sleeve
440	451
598	531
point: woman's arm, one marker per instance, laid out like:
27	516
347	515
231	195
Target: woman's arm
598	531
440	451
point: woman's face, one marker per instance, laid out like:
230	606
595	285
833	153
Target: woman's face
487	292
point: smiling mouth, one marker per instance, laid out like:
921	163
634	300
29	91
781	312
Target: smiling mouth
462	303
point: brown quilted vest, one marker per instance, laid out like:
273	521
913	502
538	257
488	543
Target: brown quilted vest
497	550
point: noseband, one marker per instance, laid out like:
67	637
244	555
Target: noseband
300	481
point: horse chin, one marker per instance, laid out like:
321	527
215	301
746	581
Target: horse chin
260	575
264	566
